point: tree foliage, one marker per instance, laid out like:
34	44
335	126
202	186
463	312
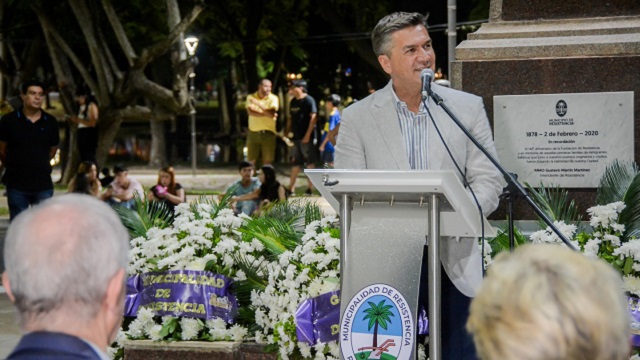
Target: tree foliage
103	44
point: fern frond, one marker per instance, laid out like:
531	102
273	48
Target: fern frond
555	203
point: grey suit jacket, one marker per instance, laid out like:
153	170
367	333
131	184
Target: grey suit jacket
370	138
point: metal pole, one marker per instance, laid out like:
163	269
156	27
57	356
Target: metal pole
193	126
433	263
345	222
451	33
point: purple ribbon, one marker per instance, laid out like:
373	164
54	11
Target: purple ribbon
132	300
189	293
318	319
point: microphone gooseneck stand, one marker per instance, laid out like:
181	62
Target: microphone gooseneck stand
514	189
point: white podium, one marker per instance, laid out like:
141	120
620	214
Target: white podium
386	219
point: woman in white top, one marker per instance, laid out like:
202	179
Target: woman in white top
87	119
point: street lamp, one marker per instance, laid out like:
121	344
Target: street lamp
191	43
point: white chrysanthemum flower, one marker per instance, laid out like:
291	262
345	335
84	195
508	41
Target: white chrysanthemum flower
283	353
154	332
238	332
630	248
618	206
218	334
240	276
190	328
136	329
305	349
618	227
422	354
145	315
592	247
631	284
334	348
197	264
612	238
112	351
319	348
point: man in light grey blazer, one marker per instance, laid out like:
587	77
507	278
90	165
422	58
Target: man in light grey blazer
391	129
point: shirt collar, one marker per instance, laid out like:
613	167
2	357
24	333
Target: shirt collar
401	104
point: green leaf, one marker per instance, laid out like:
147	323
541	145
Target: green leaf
555	203
628	266
630	215
615	182
145	215
276	235
372	322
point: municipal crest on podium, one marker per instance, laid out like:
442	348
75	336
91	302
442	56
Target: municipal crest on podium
377	324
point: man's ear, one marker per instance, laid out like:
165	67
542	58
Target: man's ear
7	286
115	291
113	304
385	62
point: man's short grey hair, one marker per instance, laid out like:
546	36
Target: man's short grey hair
61	254
381	34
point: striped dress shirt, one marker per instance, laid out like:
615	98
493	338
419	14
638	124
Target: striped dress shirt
414	133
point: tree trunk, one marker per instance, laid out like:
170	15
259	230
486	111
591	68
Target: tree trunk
157	156
375	336
107	129
224	108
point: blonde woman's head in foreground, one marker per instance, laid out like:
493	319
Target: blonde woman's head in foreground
546	302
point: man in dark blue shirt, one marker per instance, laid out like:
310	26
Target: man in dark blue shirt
28	141
302	123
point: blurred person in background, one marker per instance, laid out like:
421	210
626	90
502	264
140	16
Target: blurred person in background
302	125
167	190
29	139
262	108
89	169
246	185
123	189
331	125
269	191
87	120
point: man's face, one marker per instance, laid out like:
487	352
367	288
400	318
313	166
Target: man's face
121	178
411	52
246	173
265	88
296	91
32	100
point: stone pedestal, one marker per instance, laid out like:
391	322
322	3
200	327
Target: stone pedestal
194	350
553	47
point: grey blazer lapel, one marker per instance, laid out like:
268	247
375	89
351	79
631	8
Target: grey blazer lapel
386	118
435	149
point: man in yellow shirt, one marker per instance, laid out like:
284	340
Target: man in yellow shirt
262	107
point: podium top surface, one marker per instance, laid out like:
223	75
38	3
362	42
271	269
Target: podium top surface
459	214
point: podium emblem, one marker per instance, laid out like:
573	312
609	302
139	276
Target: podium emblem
377	324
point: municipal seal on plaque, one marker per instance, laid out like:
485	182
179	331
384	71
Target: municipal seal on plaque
561	108
377	324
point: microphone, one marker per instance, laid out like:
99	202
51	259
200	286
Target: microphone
426	75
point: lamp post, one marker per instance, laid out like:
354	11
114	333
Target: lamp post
191	43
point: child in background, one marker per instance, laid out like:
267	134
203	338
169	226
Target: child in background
327	149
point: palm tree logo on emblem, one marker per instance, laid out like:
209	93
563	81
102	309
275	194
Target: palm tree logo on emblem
379	316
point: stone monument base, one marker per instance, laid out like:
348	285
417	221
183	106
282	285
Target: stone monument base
194	350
